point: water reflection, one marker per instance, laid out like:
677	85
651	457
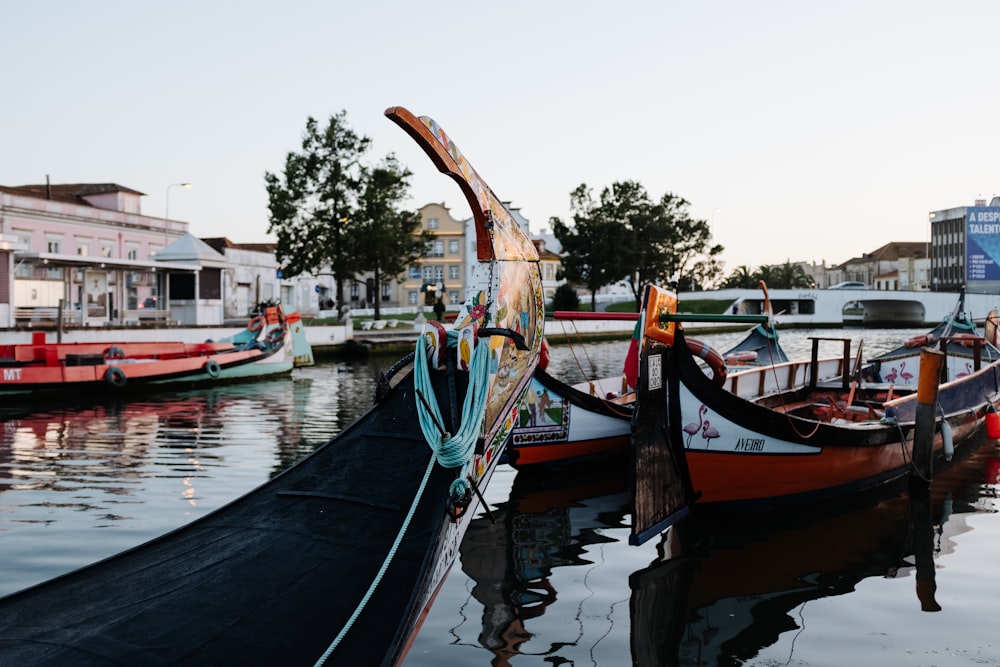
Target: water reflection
140	467
721	589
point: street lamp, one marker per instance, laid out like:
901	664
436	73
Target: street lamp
186	186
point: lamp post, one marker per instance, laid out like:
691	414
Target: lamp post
186	186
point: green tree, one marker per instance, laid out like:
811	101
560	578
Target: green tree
625	235
312	207
388	239
565	298
591	246
790	276
742	277
672	243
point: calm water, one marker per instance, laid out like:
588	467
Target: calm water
553	580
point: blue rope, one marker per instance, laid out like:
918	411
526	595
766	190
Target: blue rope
450	451
382	570
455	450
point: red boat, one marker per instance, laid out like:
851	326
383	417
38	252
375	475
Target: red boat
43	368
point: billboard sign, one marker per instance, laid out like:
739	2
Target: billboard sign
982	243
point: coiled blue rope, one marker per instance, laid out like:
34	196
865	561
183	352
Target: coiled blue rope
449	451
455	450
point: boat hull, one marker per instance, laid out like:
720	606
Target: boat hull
289	555
754	455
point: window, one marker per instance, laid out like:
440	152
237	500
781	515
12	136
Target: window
107	249
411	298
432	223
23	236
453	272
355	295
132	251
82	246
435	249
53	244
386	292
453	298
453	246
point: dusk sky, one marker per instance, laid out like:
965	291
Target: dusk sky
800	130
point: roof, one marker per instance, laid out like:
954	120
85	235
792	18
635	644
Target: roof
221	243
73	193
189	248
891	252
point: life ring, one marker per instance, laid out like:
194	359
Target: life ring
115	377
114	352
920	341
256	324
711	357
212	368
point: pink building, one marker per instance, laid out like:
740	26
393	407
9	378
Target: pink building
88	250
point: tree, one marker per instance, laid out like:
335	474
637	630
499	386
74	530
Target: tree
386	240
626	235
741	278
783	276
565	298
669	242
790	276
312	207
591	246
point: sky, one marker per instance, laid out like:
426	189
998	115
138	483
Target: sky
801	131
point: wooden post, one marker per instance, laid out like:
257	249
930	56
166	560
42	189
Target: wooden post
931	363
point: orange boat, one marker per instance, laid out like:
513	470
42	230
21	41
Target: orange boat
776	440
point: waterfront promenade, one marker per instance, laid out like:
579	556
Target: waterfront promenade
792	308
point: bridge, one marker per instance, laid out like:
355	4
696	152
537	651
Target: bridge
839	307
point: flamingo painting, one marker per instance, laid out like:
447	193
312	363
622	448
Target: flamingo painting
892	375
904	375
708	433
693	428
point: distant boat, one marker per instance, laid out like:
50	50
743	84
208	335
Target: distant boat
958	335
338	558
267	347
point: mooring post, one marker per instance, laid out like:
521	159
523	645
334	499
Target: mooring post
931	363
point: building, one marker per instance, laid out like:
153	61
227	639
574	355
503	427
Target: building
898	265
439	273
252	276
87	251
965	247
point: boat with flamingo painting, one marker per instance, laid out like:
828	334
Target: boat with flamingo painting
339	557
569	424
957	335
764	445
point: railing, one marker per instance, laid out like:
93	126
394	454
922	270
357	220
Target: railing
48	316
